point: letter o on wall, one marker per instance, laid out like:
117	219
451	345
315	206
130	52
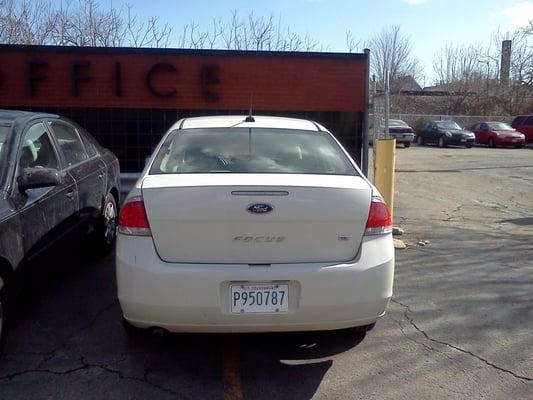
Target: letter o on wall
160	67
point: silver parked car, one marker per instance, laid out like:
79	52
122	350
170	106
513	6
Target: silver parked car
398	130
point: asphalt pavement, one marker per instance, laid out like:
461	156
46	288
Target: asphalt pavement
460	324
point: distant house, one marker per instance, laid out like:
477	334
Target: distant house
407	82
400	84
437	88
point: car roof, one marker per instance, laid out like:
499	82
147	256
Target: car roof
228	121
12	115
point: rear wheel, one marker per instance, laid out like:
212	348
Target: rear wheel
106	230
491	142
406	144
419	140
442	143
469	145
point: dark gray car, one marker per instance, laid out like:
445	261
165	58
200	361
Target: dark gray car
55	181
444	133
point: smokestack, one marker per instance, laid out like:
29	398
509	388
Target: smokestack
505	65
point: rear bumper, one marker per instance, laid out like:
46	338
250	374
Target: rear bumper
400	138
195	297
460	141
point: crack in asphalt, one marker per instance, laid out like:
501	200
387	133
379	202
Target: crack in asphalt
103	367
450	214
429	348
108	368
468	352
54	352
143	380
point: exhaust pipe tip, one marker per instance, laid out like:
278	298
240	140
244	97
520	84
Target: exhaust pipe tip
159	332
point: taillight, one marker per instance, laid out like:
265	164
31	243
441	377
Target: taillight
379	219
132	219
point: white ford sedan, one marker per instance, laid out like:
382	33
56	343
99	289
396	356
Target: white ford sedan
253	225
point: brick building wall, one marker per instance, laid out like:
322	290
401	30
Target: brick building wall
128	97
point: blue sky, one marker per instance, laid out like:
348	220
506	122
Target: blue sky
429	23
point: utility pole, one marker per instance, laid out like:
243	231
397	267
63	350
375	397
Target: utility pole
364	136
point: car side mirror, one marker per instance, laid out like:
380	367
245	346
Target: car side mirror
33	178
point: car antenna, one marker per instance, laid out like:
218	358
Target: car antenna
250	118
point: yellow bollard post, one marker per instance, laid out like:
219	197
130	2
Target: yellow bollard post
384	165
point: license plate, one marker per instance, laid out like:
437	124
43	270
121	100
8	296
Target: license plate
515	140
463	140
259	298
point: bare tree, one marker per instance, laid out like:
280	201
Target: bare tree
517	96
80	23
352	44
462	71
471	76
391	52
87	23
247	33
528	29
25	21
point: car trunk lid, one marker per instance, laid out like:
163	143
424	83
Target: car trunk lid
208	218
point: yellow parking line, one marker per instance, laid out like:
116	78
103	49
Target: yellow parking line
231	374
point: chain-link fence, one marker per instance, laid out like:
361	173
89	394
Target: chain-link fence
416	121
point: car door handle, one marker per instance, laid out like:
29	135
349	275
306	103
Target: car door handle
100	176
70	194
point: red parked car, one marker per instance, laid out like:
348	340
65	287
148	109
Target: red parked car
495	134
524	124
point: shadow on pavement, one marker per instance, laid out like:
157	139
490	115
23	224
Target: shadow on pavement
519	221
257	366
70	331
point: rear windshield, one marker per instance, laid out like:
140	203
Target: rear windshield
251	150
397	123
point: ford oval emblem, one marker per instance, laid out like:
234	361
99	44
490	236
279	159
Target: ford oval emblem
260	208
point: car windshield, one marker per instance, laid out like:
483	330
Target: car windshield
447	125
251	150
4	134
397	123
500	126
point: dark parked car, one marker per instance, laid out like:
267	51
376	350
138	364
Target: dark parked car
55	181
444	133
524	124
495	134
